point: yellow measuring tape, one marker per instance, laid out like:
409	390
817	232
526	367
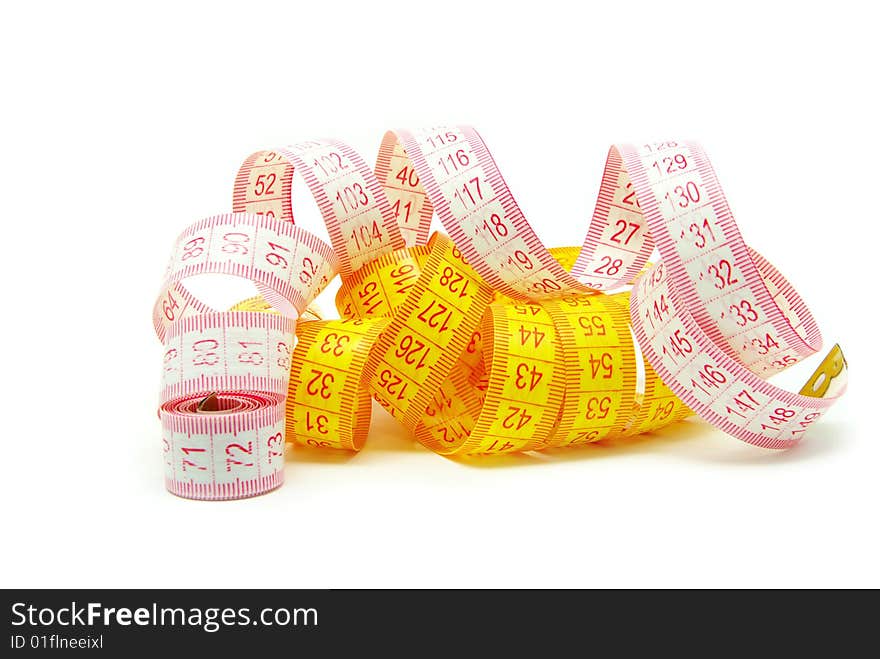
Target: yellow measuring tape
528	376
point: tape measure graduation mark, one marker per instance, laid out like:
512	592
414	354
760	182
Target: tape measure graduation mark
487	394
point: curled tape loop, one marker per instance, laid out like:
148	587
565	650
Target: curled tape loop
483	341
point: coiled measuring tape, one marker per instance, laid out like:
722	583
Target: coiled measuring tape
224	374
485	341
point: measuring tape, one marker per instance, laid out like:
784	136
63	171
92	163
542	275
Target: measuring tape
225	374
481	341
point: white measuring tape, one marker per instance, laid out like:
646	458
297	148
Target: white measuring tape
225	374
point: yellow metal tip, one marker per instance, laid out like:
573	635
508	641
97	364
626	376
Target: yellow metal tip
831	370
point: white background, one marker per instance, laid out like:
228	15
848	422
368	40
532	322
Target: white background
122	126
